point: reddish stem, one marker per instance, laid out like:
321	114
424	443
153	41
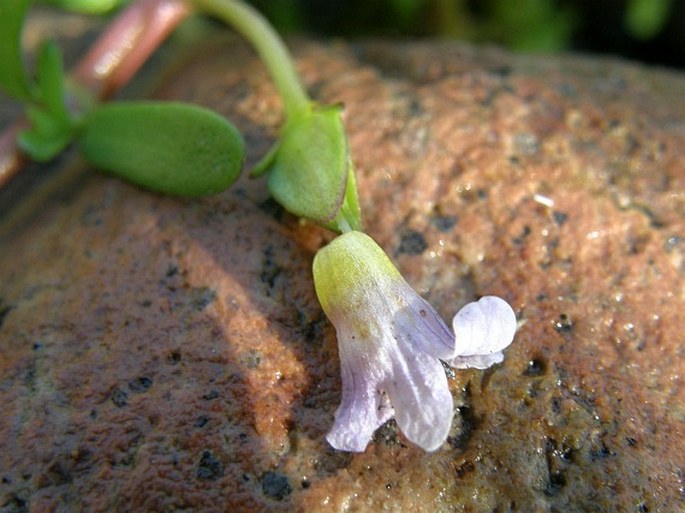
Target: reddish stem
110	63
127	44
11	158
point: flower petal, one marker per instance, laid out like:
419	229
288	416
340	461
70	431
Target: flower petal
482	329
363	407
420	395
477	361
420	324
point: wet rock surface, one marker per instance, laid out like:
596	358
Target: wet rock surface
166	355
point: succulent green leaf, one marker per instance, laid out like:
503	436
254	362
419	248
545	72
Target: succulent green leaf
172	148
50	78
42	121
51	125
309	170
47	136
13	77
43	146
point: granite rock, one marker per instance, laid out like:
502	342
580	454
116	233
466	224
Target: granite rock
167	355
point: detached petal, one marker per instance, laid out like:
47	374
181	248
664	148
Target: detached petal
482	329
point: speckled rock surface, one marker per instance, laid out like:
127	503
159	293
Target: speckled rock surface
164	355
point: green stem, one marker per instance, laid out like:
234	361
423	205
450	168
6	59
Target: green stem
269	46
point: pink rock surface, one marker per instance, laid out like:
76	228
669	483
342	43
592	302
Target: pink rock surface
165	355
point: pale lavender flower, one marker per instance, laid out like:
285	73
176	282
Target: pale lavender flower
391	341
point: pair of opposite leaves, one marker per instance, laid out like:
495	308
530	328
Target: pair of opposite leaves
185	150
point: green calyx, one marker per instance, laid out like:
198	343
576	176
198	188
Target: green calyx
309	170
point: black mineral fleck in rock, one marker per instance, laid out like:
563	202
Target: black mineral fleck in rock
535	367
209	468
201	421
201	297
557	481
444	223
519	239
563	324
4	310
211	395
276	485
15	504
412	243
119	398
559	217
173	358
140	384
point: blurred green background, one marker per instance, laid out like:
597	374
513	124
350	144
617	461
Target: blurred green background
651	31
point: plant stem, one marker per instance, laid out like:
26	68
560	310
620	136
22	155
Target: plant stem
271	49
127	43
